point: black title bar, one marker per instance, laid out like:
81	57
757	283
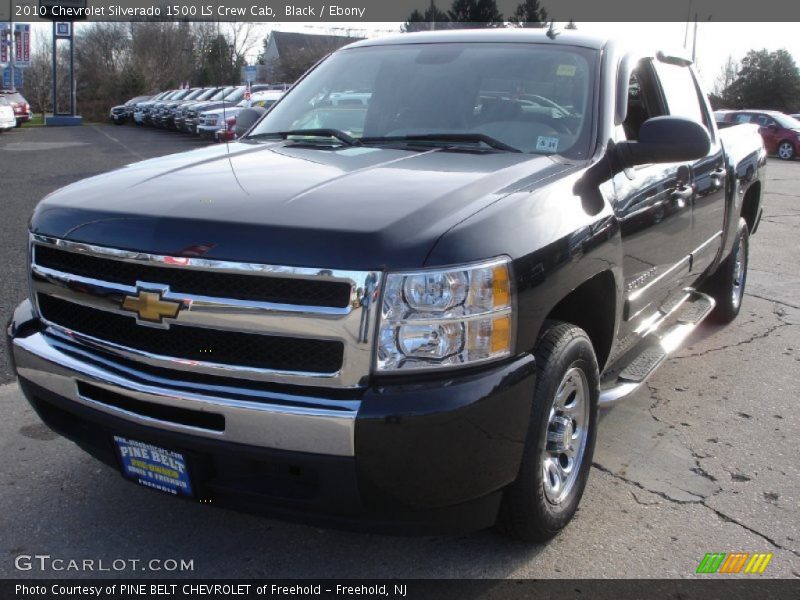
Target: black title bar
389	10
712	588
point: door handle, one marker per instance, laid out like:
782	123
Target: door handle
717	178
682	195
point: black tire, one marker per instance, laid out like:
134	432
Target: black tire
527	512
18	123
786	150
727	285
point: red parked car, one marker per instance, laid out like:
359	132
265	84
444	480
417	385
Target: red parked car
227	133
22	110
781	132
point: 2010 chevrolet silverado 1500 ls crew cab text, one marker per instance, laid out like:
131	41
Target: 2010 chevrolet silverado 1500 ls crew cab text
401	312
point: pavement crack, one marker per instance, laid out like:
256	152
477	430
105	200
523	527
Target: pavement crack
642	502
781	302
750	340
728	519
636	484
656	400
701	501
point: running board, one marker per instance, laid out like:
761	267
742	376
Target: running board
658	345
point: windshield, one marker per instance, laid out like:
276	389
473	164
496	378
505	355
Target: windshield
236	95
206	94
526	97
192	95
222	93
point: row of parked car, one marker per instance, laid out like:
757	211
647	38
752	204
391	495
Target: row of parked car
209	112
780	132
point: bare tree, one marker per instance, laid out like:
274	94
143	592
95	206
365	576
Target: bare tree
163	53
38	82
727	75
243	38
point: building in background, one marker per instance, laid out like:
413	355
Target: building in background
288	55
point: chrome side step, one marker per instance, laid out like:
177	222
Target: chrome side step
658	345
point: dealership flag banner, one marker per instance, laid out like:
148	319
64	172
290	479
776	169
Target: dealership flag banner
22	38
5	43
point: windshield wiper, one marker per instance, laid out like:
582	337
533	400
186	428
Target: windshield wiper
446	137
328	133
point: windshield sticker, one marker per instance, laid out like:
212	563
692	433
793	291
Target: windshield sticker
547	144
566	70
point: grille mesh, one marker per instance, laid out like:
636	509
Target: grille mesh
304	292
194	343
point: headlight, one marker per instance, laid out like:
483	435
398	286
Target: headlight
446	318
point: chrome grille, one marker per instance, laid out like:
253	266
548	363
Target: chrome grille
279	290
286	325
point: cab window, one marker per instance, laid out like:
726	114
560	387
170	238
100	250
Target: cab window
681	93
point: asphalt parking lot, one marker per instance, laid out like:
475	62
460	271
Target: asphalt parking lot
703	460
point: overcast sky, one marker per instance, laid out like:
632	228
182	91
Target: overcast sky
715	41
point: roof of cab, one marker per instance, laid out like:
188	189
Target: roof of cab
519	35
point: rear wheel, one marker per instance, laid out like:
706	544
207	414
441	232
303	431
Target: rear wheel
561	436
727	284
786	150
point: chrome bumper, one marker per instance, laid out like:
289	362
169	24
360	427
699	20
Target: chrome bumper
41	359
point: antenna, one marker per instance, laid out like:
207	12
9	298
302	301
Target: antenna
551	31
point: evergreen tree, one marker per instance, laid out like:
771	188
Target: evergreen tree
529	13
766	80
432	18
475	13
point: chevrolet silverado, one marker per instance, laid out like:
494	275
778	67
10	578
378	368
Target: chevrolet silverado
401	313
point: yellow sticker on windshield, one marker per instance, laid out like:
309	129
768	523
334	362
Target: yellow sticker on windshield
566	70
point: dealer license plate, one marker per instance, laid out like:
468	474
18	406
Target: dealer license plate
154	467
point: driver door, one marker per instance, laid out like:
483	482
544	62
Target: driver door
654	207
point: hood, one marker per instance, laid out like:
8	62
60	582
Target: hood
281	203
228	110
215	105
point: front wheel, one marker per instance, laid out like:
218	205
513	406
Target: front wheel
786	150
561	436
727	284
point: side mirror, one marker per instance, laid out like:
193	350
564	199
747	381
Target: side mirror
665	140
246	118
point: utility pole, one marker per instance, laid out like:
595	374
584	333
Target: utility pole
686	30
694	41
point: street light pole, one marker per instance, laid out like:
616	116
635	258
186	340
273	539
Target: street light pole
12	49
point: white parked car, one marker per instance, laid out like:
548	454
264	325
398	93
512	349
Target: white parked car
212	121
8	119
264	99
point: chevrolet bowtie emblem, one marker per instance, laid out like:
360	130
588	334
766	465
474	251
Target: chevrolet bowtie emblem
150	307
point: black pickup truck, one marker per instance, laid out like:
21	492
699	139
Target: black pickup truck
399	301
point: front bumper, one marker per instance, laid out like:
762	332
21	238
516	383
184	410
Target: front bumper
225	135
208	131
429	456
